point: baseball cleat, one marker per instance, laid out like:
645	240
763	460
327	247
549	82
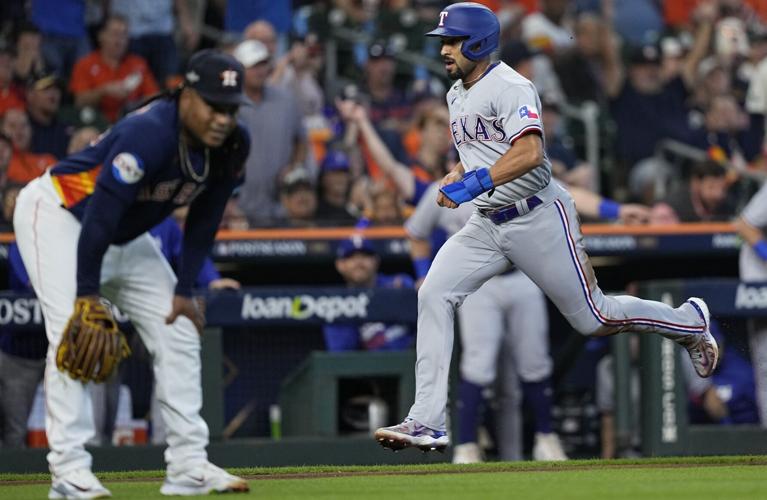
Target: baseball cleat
80	483
203	480
548	447
702	348
412	434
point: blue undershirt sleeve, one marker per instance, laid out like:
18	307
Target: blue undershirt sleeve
199	231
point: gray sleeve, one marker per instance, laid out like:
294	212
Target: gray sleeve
521	111
426	215
755	212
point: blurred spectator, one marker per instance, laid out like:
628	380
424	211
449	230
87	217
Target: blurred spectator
241	12
704	198
385	207
672	58
297	71
10	192
535	67
65	39
278	140
262	31
390	107
234	218
565	164
150	28
358	263
729	134
403	23
645	107
10	96
580	67
433	144
299	200
550	28
110	78
6	151
22	350
49	134
24	165
29	57
334	184
82	138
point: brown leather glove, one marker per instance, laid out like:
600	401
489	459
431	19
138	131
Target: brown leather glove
92	345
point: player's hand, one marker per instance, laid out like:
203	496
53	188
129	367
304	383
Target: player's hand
189	307
442	200
224	283
634	214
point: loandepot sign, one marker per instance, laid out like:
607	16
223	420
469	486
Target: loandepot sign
301	307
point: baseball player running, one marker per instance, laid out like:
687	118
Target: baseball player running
520	218
82	231
751	226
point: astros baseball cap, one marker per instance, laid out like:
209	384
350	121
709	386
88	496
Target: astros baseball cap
216	76
353	245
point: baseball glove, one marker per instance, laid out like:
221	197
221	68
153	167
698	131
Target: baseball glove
92	345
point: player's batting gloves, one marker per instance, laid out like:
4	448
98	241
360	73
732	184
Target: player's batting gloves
473	184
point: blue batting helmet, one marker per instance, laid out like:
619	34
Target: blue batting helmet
475	22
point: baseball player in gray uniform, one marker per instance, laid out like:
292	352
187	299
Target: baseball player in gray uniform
751	226
520	218
484	317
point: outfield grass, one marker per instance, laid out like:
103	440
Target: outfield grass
655	479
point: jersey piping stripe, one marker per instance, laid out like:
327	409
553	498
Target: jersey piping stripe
527	130
74	187
587	291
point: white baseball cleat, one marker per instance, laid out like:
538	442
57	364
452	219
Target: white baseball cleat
467	453
80	483
411	433
548	447
203	480
702	348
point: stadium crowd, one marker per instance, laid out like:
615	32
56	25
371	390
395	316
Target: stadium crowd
348	122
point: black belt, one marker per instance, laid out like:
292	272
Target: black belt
509	212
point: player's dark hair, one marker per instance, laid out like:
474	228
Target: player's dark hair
708	168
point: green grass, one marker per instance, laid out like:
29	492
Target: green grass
655	479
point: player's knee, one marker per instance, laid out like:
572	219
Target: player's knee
432	293
588	327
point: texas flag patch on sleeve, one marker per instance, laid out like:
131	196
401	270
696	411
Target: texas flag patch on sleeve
528	112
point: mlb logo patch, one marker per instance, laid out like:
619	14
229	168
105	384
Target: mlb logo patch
528	112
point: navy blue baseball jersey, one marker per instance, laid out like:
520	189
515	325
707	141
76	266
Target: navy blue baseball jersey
135	175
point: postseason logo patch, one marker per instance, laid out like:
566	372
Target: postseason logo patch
127	168
528	112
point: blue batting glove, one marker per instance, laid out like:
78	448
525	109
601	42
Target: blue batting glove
473	184
760	247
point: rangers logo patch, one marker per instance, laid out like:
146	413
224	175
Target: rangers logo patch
127	168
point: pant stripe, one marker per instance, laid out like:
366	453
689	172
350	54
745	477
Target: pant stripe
587	291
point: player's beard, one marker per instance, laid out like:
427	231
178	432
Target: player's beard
459	73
